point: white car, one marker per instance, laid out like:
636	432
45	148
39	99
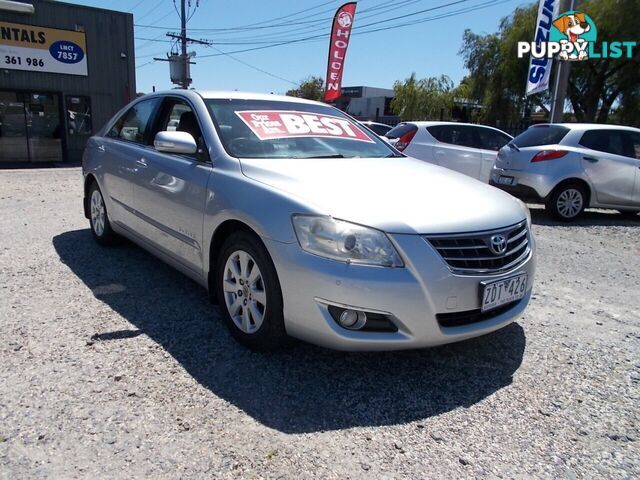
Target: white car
463	147
573	166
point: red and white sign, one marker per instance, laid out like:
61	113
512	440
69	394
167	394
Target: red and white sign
272	124
340	34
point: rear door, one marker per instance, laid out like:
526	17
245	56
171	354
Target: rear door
610	163
490	141
119	151
170	190
457	148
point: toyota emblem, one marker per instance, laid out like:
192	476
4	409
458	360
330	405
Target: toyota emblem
498	244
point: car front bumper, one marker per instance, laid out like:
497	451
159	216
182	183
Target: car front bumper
411	296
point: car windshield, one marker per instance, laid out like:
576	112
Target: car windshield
540	135
281	129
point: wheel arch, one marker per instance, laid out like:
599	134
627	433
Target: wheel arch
575	181
88	180
220	234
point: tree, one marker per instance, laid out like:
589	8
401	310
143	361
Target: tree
597	84
426	99
312	88
497	76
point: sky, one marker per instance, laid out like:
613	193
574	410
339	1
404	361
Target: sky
375	59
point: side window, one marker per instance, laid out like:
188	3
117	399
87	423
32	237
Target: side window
132	126
609	141
491	139
178	116
633	144
442	133
464	136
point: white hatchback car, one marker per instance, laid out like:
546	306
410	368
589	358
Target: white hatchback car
463	147
572	166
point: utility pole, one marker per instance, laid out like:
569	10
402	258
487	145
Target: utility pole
180	63
562	76
183	42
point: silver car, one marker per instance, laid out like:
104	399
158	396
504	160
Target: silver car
569	167
301	222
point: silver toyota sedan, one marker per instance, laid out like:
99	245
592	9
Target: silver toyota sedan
302	223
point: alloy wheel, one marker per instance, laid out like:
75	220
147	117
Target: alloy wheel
570	203
244	291
97	213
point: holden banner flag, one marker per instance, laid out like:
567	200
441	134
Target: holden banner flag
340	34
539	71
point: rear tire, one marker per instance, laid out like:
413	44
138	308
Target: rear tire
99	218
249	294
567	202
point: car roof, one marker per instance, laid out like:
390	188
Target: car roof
432	123
223	95
370	122
588	126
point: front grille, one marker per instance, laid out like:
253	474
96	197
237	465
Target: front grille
471	253
458	319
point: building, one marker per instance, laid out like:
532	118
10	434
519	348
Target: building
368	103
64	71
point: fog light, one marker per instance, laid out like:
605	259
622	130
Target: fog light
352	319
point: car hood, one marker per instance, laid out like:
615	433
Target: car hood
396	195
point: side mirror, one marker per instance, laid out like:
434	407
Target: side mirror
175	142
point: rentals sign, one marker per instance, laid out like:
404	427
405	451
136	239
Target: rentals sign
39	49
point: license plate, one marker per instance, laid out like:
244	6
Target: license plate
498	293
506	180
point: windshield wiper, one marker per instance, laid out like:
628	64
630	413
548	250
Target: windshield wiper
337	155
394	155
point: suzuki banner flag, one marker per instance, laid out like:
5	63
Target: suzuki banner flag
340	34
539	71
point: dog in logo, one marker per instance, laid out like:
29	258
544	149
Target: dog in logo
573	25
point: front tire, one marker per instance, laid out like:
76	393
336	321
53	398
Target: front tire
99	218
248	293
567	202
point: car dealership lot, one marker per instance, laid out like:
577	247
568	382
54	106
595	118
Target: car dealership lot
112	363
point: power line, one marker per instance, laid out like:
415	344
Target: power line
254	67
136	5
277	36
284	41
324	35
387	5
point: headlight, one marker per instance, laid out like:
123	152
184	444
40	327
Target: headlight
344	241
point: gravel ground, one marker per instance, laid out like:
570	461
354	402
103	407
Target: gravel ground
112	364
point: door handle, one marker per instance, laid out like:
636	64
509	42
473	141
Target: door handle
101	148
142	163
591	159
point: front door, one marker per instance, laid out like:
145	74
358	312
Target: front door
30	127
170	190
